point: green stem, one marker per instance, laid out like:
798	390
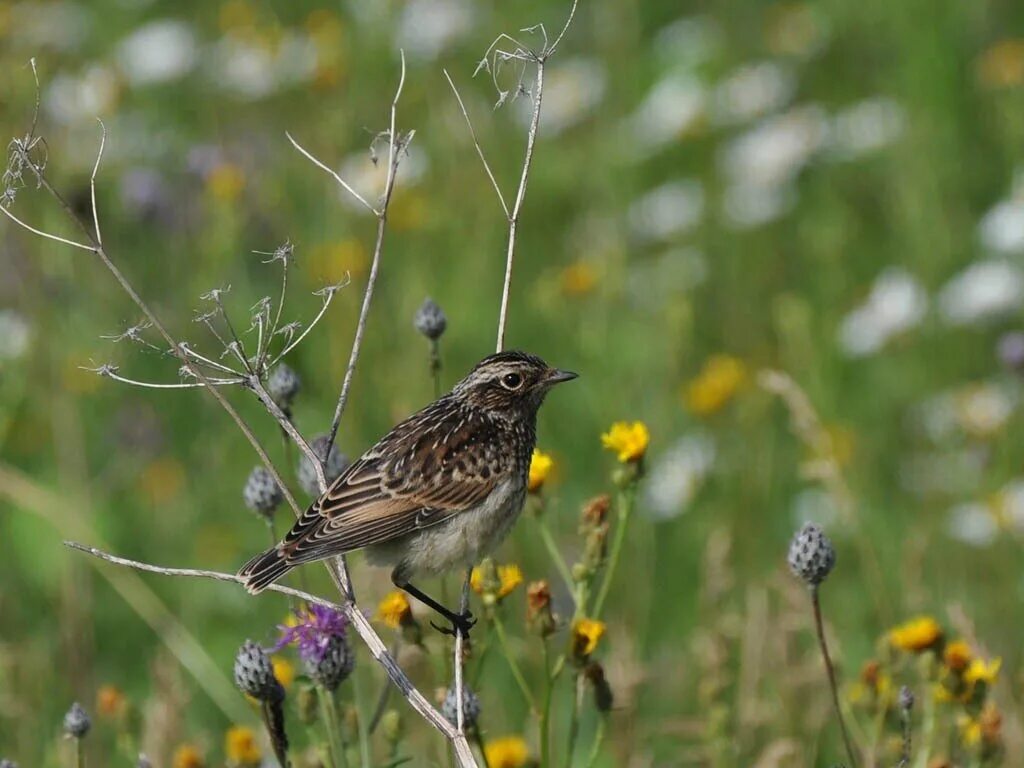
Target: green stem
329	714
435	367
820	629
79	754
927	732
552	548
574	719
478	739
625	509
364	736
595	749
545	714
517	673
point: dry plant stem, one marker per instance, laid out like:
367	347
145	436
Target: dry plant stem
460	725
356	618
281	417
830	669
395	147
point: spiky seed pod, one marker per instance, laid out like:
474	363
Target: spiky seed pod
336	464
261	493
811	555
906	699
430	320
143	762
470	706
254	674
5	763
283	385
76	722
335	665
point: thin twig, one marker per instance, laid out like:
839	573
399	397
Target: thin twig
337	177
476	143
395	147
286	424
820	629
92	182
47	235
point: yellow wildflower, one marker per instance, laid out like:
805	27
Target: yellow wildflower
509	577
957	655
970	730
578	279
628	440
716	384
874	684
506	752
541	465
980	671
394	610
240	746
188	756
225	182
586	634
110	701
1002	64
284	671
917	634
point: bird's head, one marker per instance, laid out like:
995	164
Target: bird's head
511	384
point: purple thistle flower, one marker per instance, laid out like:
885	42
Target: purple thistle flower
312	631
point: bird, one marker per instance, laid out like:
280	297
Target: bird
441	490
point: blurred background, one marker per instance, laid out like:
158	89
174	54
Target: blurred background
832	189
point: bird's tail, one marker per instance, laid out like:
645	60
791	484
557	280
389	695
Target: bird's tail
264	569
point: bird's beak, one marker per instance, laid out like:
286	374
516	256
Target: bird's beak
557	376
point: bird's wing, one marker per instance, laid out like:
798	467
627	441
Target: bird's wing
413	478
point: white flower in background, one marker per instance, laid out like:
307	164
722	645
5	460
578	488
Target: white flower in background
677	475
746	206
983	409
979	523
752	91
897	303
253	71
652	283
427	27
866	127
775	150
688	42
61	26
972	523
944	471
671	108
1002	228
157	52
572	89
15	334
814	505
668	210
369	179
70	99
984	290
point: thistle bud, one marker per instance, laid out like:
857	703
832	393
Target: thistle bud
283	385
306	472
906	699
254	674
811	555
470	706
603	698
335	665
5	763
539	617
430	320
261	493
142	762
76	722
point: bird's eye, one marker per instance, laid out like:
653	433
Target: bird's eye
511	380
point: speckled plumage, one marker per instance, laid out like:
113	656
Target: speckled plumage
440	490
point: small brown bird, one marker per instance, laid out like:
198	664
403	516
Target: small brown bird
440	490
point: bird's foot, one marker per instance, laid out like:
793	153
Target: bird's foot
461	624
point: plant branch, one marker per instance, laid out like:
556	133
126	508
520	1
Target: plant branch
820	630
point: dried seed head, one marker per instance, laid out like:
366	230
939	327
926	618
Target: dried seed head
470	706
261	493
76	722
283	385
306	473
430	320
906	699
603	697
254	674
811	555
335	665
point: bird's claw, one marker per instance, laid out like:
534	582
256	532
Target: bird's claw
461	624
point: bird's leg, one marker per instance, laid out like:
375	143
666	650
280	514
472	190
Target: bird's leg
461	622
